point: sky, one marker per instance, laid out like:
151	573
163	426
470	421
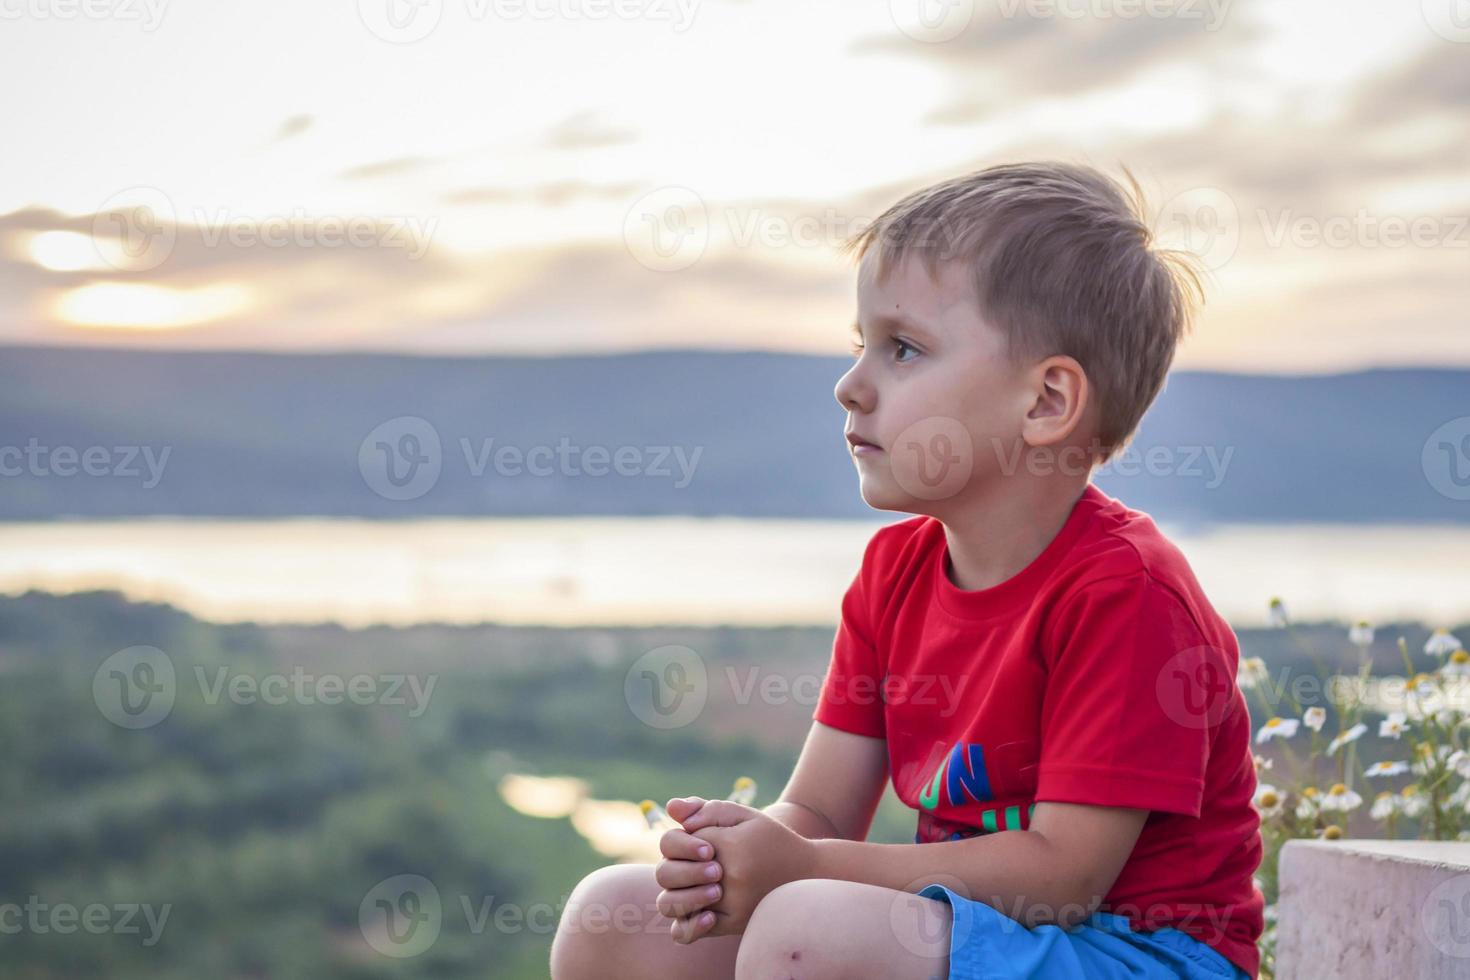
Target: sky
578	176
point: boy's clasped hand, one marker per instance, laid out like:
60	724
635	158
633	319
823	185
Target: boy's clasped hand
722	860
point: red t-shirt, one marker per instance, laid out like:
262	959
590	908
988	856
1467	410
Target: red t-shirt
1098	674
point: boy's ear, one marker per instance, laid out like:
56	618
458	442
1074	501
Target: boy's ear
1062	396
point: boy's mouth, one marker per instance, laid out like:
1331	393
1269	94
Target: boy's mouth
858	445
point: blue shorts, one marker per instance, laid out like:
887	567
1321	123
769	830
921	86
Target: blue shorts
986	944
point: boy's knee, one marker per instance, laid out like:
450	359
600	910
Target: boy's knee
786	932
604	912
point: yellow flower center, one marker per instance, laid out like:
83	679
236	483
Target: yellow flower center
1269	798
1460	657
1333	832
1274	722
1310	791
1338	789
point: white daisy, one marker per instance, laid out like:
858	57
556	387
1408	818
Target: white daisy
1351	735
1458	664
1442	642
1413	801
1361	634
1313	718
1428	758
1459	761
1268	800
1251	672
1277	615
1262	763
1277	727
1339	797
1385	805
1386	769
1308	805
1394	724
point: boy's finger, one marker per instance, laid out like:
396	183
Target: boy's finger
687	930
717	813
680	845
680	807
680	903
686	874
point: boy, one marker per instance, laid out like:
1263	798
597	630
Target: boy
1030	659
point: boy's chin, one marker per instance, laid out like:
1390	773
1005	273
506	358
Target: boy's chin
885	495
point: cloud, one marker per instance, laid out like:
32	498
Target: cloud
1014	49
294	126
387	168
552	195
582	131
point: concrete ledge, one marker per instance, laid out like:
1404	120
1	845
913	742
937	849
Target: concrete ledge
1373	910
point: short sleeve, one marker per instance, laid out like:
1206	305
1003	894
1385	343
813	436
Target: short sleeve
851	696
1134	695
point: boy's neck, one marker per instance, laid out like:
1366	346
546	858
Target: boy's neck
996	537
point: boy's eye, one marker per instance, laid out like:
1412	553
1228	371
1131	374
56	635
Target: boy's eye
900	347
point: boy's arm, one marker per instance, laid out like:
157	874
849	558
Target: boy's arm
836	785
1056	871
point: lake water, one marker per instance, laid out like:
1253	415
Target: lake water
662	570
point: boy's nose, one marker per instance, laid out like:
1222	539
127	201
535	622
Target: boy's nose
853	392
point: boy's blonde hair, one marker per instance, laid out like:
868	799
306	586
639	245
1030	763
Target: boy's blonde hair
1063	262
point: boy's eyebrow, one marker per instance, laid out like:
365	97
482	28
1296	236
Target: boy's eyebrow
899	321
